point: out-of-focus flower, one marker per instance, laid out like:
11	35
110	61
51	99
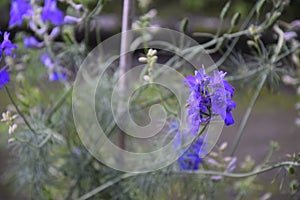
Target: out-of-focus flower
191	158
54	33
12	129
32	42
289	35
295	23
57	76
46	60
19	10
71	20
7	117
53	74
52	13
4	78
7	45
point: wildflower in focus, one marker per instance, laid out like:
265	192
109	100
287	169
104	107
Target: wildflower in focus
7	45
4	78
199	100
19	10
209	95
52	13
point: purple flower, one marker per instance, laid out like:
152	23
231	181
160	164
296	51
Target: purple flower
4	78
7	45
71	20
199	100
19	10
46	60
52	13
230	104
53	74
191	159
209	95
32	42
218	94
57	76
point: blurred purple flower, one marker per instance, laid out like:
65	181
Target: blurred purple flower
46	60
54	33
230	104
19	10
71	20
53	75
191	157
57	76
7	45
4	78
289	35
52	13
32	42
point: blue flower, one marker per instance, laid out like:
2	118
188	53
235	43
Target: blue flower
52	13
230	104
56	76
199	100
191	159
32	42
19	10
46	60
7	45
209	95
53	74
4	78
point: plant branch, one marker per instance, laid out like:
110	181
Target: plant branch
203	172
247	114
19	111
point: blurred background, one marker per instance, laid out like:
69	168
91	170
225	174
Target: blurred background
273	118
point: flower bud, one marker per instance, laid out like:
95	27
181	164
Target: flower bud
143	59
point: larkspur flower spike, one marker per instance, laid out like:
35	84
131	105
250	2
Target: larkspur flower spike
7	45
4	78
209	95
52	13
19	10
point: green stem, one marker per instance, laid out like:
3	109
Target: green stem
247	114
19	111
58	104
203	172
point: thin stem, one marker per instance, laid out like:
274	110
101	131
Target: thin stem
18	110
106	185
247	114
203	172
59	103
125	57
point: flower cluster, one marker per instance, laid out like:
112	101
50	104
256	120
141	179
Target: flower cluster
22	9
45	20
6	47
209	95
190	158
